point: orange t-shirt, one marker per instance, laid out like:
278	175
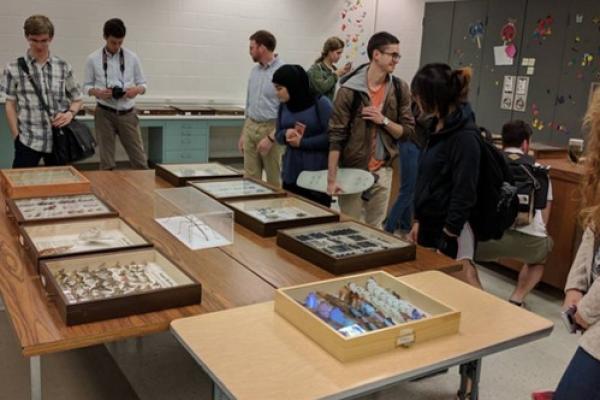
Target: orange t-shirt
377	97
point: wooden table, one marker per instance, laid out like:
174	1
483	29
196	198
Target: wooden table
241	274
253	353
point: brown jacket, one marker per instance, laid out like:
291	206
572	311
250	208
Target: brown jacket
580	278
352	135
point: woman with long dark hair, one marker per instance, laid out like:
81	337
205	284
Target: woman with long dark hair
446	190
302	123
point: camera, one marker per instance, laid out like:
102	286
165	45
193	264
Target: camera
118	92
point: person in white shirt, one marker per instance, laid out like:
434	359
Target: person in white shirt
113	74
529	244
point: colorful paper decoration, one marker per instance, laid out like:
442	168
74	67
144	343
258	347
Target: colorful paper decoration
511	50
587	59
352	24
508	32
476	31
543	29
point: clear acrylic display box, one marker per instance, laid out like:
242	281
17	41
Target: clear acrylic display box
194	218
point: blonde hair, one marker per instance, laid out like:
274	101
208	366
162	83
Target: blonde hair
590	185
38	25
332	44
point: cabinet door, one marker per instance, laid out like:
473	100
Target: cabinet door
547	51
466	50
577	77
489	93
437	30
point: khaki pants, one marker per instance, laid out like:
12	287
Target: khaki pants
371	212
254	162
108	125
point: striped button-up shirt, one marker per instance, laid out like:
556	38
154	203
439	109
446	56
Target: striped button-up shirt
59	88
262	103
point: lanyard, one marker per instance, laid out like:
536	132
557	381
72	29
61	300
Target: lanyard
105	64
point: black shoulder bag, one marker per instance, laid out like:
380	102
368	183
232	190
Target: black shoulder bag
74	141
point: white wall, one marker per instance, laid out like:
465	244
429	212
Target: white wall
404	19
198	49
189	48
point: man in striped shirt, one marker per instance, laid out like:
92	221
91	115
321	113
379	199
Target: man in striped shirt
29	124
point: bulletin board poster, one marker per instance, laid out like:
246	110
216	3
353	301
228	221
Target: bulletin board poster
508	92
356	25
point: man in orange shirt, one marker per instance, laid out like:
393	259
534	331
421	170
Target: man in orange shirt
372	110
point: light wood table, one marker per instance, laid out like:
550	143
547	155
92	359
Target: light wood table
253	353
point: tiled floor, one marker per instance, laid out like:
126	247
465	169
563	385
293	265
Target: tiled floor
157	367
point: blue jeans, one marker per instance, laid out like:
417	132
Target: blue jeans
400	216
581	379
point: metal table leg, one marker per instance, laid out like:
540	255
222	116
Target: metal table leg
35	369
218	394
470	374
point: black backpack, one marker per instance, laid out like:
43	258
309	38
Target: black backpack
497	203
532	183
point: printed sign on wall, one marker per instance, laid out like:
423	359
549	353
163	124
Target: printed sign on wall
520	103
508	92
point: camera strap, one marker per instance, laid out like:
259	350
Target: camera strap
105	64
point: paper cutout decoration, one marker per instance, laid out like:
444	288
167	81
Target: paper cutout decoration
352	24
543	29
511	50
587	59
476	31
508	32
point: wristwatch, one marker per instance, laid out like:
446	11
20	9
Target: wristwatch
386	121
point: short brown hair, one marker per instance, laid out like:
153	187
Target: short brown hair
38	25
378	41
265	38
332	44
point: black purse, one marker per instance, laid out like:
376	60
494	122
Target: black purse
74	141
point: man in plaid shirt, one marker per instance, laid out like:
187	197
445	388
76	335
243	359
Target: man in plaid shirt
29	123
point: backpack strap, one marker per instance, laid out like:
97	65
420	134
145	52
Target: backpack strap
398	94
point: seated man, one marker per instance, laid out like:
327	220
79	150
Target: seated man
530	243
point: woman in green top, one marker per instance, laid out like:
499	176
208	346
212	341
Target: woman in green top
323	75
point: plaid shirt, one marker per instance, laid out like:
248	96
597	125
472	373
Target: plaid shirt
58	87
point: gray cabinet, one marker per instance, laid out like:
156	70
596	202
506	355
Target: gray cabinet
547	52
488	111
437	31
582	37
560	82
465	49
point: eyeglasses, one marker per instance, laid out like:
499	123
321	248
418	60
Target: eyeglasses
395	56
